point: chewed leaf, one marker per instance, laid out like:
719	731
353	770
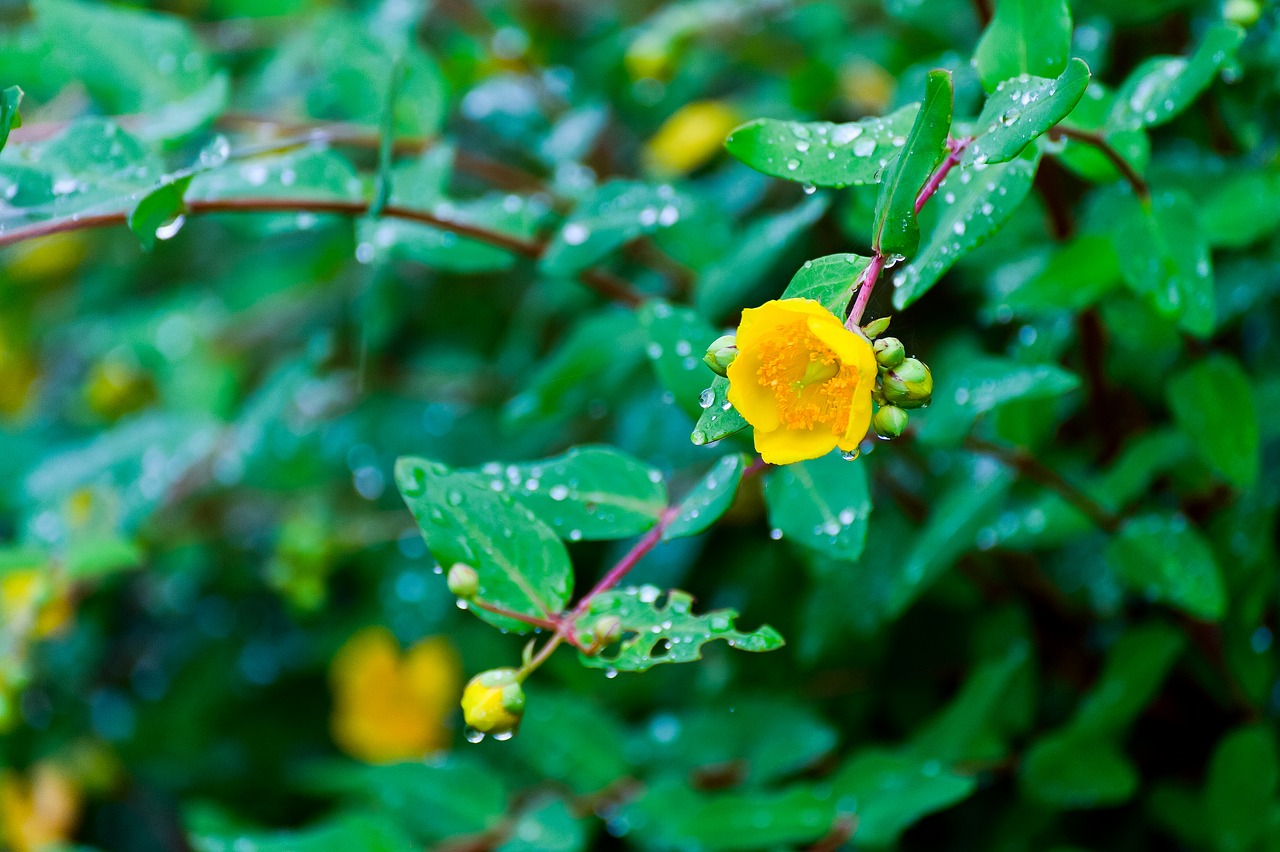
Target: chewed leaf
591	492
719	418
821	153
670	633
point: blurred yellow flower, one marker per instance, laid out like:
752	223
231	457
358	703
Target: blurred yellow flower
53	256
115	388
39	812
802	379
867	87
690	137
17	374
388	706
34	601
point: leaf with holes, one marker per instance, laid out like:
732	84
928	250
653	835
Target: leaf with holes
590	492
654	634
820	153
830	280
1022	109
822	504
522	564
896	230
709	499
969	207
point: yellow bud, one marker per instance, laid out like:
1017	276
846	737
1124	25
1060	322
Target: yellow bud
690	137
493	702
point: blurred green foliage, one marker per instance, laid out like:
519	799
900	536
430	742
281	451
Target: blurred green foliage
303	302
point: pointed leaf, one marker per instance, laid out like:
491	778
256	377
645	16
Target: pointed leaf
1023	108
822	504
719	419
709	499
1166	559
158	208
830	280
1024	37
10	116
1162	87
616	213
677	338
1213	403
894	791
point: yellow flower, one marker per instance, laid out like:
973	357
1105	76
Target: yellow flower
389	707
38	813
690	137
493	702
802	379
36	601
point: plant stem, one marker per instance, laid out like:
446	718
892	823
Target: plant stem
604	283
541	657
955	148
625	564
535	621
1099	141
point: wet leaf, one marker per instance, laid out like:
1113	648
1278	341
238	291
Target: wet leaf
1024	37
1213	403
821	504
709	499
1023	108
1162	87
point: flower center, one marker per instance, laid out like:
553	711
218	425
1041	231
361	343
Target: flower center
808	381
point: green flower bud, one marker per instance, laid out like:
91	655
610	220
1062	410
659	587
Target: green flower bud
464	581
889	351
720	354
908	385
1244	13
493	702
889	422
608	630
876	328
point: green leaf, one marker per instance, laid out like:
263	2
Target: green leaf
962	730
1164	257
522	564
719	419
1166	559
589	493
1022	109
709	499
820	153
565	739
10	116
1091	114
1243	777
822	504
980	385
677	339
399	239
1024	37
727	285
655	634
971	204
158	214
546	825
98	556
1213	403
1136	666
1069	772
895	229
436	799
366	832
310	174
1241	210
831	281
1162	87
894	791
617	212
1078	273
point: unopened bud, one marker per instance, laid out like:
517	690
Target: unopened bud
889	352
493	702
720	354
875	328
608	630
908	385
463	581
889	422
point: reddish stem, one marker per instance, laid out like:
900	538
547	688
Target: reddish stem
544	623
625	564
956	148
869	276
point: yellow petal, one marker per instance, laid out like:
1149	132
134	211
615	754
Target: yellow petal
786	446
851	348
859	420
754	402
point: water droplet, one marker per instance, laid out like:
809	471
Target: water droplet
472	735
850	455
698	437
503	736
170	229
575	234
845	133
705	400
558	492
864	147
792	165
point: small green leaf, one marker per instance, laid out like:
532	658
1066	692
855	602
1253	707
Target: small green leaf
1162	87
589	493
523	565
654	634
1242	209
546	824
894	791
971	204
1068	771
1077	274
719	419
398	239
616	213
565	739
981	385
98	556
822	504
709	499
831	280
1136	665
1023	108
677	339
10	116
820	153
1024	37
446	797
969	722
310	173
1243	777
1167	560
1164	257
895	229
159	213
1212	402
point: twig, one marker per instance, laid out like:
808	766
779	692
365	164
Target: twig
535	621
1032	468
626	563
1097	140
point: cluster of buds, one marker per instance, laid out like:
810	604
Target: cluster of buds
902	383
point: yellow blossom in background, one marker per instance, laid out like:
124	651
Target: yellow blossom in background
17	374
39	812
690	137
802	379
389	706
54	256
867	87
34	601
